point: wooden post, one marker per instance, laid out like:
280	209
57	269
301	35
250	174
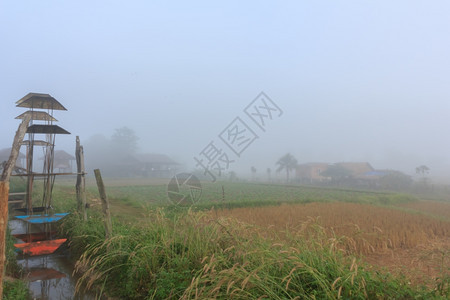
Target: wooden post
4	193
78	184
223	194
83	185
30	178
105	203
81	180
18	138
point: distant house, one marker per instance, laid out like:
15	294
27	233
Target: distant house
63	161
357	169
357	174
311	172
137	165
156	165
376	174
4	156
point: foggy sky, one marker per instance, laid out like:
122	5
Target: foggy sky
356	81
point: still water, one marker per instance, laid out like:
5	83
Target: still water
49	276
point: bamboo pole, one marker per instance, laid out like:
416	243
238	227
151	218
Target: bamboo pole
30	177
4	193
78	184
81	180
105	203
83	185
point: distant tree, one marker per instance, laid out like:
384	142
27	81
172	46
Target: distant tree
124	141
336	172
395	180
269	172
423	171
288	163
97	151
253	169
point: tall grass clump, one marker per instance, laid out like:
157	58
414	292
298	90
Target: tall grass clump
195	255
294	269
151	259
13	288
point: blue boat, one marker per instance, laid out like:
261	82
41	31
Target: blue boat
41	219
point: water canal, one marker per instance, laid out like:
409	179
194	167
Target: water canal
49	276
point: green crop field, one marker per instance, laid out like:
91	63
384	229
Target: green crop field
258	241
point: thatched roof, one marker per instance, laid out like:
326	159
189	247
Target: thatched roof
356	168
47	129
63	155
40	101
37	115
4	156
36	143
6	152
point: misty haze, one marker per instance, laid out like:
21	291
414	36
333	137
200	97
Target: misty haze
254	150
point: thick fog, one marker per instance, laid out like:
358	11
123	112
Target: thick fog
355	81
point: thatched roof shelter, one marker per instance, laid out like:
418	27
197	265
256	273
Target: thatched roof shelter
40	101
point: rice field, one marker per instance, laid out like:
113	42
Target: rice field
434	208
368	228
250	241
413	244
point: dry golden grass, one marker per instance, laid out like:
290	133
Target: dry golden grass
413	244
367	228
440	209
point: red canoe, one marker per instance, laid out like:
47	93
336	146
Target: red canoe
40	248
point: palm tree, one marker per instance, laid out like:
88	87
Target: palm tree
288	163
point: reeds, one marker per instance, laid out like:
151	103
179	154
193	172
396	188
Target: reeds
197	255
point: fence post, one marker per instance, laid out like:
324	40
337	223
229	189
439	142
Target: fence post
105	203
4	193
81	180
